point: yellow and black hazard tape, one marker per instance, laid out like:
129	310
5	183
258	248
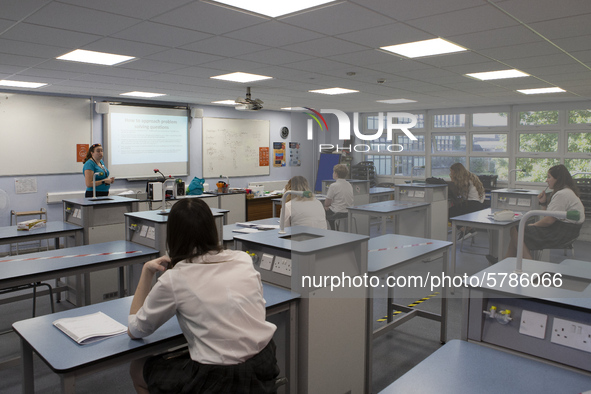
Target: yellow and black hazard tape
435	294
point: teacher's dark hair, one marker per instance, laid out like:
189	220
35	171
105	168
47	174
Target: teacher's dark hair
563	179
90	152
191	230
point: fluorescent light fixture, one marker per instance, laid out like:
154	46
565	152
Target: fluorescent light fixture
142	94
241	77
502	74
396	101
273	8
294	109
435	46
541	90
21	84
225	102
333	91
105	59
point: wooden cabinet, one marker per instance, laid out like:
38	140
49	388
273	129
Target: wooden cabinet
259	208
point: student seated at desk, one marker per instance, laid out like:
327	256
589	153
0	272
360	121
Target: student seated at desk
302	211
550	232
339	196
467	194
217	297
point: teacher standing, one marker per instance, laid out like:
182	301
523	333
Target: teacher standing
93	163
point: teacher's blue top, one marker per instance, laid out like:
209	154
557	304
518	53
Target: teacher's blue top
102	174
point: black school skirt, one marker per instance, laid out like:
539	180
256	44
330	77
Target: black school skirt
167	373
554	236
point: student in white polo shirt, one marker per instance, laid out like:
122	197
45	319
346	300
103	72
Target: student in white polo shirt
339	196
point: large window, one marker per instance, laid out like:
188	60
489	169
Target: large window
455	142
579	142
538	118
440	165
490	166
538	142
536	169
449	121
489	142
490	119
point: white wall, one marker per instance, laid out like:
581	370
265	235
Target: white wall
63	183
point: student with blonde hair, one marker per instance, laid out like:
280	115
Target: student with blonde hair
469	194
339	196
300	210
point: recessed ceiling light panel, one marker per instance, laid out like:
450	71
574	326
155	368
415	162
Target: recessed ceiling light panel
225	102
142	94
542	90
435	46
241	77
501	74
333	91
273	8
396	101
105	59
21	84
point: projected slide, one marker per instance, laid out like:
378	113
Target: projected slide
140	139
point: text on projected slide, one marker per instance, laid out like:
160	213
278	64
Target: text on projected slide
139	138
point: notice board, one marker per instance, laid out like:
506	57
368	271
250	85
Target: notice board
235	147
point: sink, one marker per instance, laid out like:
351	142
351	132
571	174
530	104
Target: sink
301	237
101	199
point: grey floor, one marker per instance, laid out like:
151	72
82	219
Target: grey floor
393	354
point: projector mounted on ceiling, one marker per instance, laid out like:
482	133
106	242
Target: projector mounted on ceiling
248	104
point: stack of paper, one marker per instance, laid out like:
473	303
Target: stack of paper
30	224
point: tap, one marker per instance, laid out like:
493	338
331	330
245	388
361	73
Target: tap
306	194
169	179
514	170
94	183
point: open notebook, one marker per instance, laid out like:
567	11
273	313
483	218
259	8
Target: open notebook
90	328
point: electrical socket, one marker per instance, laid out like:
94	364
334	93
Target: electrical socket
267	261
282	266
571	334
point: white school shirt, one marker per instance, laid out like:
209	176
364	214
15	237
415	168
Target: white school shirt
218	300
473	194
567	200
309	213
341	194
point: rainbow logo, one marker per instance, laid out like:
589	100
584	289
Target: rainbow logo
315	115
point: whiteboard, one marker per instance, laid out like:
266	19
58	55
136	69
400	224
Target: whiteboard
232	147
39	133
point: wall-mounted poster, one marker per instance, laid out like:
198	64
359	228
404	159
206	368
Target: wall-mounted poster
264	157
278	154
294	154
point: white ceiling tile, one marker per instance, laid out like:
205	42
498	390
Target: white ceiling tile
363	58
325	47
5	24
542	72
49	36
275	56
80	19
208	18
142	9
521	51
180	56
476	67
474	19
564	27
51	74
224	46
123	72
232	65
274	34
461	58
151	65
390	34
529	11
29	49
315	65
396	65
403	10
17	9
535	61
119	46
506	36
156	33
574	43
20	61
431	75
338	19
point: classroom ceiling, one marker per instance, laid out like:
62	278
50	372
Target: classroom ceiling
180	44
